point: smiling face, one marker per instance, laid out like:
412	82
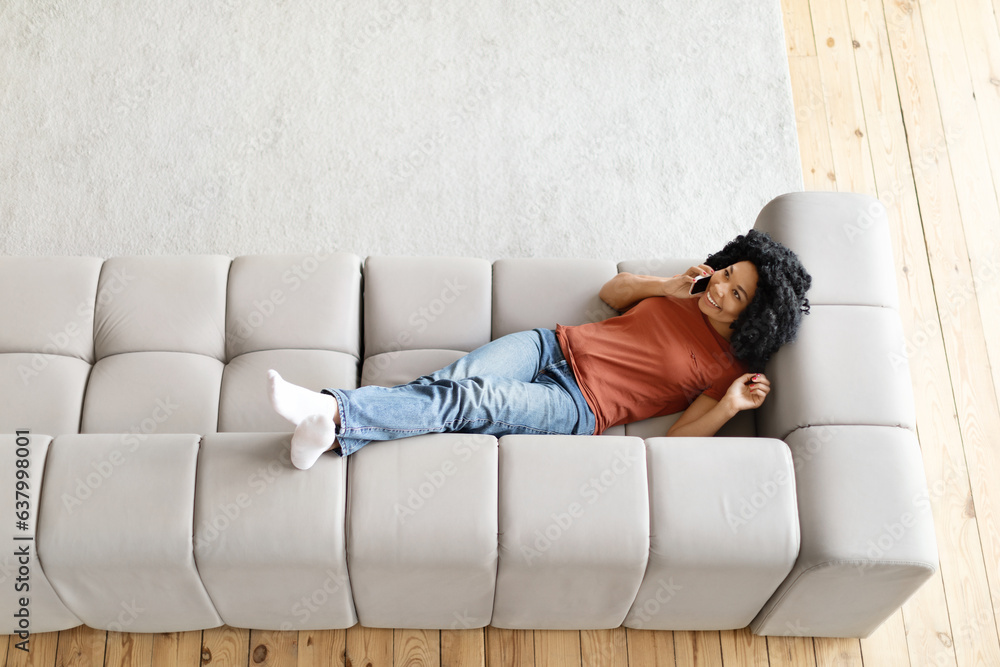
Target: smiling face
731	289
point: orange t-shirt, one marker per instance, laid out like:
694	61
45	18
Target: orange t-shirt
652	360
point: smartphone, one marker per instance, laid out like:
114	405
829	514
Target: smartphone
700	285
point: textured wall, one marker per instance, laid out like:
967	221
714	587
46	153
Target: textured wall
490	129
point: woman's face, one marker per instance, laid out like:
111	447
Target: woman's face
731	288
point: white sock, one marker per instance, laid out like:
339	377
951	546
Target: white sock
295	403
314	435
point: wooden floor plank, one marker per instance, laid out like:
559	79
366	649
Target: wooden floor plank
654	648
848	134
699	649
369	646
887	149
460	648
977	173
81	645
799	40
273	648
557	648
996	13
957	265
225	645
320	648
937	424
837	652
177	649
811	124
41	652
603	648
790	651
981	40
893	170
742	647
128	649
886	647
416	648
515	648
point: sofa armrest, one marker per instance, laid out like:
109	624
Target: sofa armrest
867	532
842	399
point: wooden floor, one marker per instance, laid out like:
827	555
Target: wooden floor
894	98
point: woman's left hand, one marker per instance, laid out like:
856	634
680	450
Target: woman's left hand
748	391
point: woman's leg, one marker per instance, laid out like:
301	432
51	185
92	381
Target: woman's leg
315	414
519	356
492	405
516	384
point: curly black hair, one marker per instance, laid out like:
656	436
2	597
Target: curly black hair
773	316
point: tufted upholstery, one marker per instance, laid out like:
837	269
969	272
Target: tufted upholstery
161	495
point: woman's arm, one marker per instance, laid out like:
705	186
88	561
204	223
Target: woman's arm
627	289
705	416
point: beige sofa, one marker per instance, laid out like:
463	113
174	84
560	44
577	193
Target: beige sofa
156	493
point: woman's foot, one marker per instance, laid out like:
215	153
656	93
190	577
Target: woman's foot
314	414
295	403
314	435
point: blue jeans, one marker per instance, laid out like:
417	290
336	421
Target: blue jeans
519	383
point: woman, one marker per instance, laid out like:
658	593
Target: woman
666	351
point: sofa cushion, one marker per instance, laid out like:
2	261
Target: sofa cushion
540	293
294	301
574	531
48	305
115	532
299	314
295	575
843	239
813	379
19	563
663	267
166	303
422	531
724	531
42	392
47	346
146	392
414	303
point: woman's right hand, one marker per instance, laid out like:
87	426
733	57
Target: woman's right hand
679	286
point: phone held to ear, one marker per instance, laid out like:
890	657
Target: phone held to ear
700	285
